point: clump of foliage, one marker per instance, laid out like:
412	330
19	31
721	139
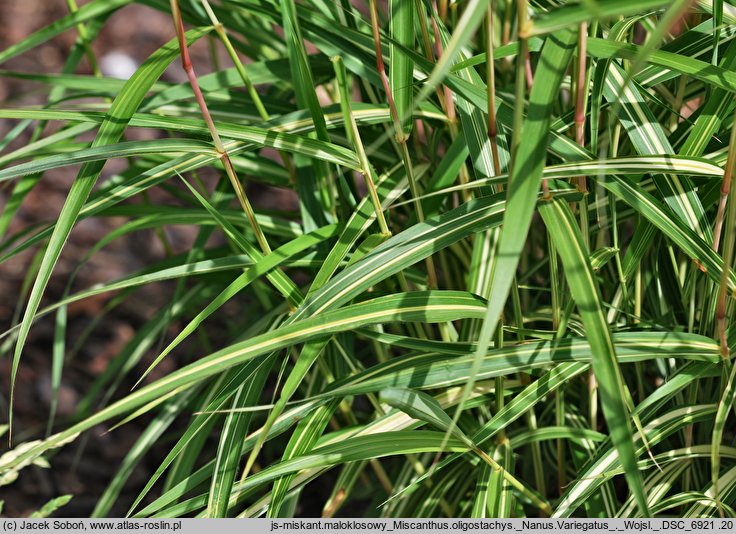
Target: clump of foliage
507	288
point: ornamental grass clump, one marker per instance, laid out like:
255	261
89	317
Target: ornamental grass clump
498	280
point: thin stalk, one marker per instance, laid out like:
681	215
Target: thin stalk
528	68
520	93
517	307
581	93
637	424
491	93
243	73
728	189
446	99
84	37
638	295
541	504
353	134
222	34
536	446
507	16
499	383
725	189
559	394
616	136
555	283
560	443
692	395
224	157
401	136
679	99
438	51
381	67
592	401
449	102
444	96
499	387
581	100
427	46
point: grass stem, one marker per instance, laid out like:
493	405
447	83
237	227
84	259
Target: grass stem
219	147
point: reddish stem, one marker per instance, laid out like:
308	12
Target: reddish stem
188	67
382	68
438	50
720	215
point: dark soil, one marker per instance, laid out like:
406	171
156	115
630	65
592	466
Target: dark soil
135	31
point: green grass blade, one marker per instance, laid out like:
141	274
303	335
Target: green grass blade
524	184
564	231
110	131
302	441
603	466
648	137
85	13
421	406
230	445
147	439
401	67
572	15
